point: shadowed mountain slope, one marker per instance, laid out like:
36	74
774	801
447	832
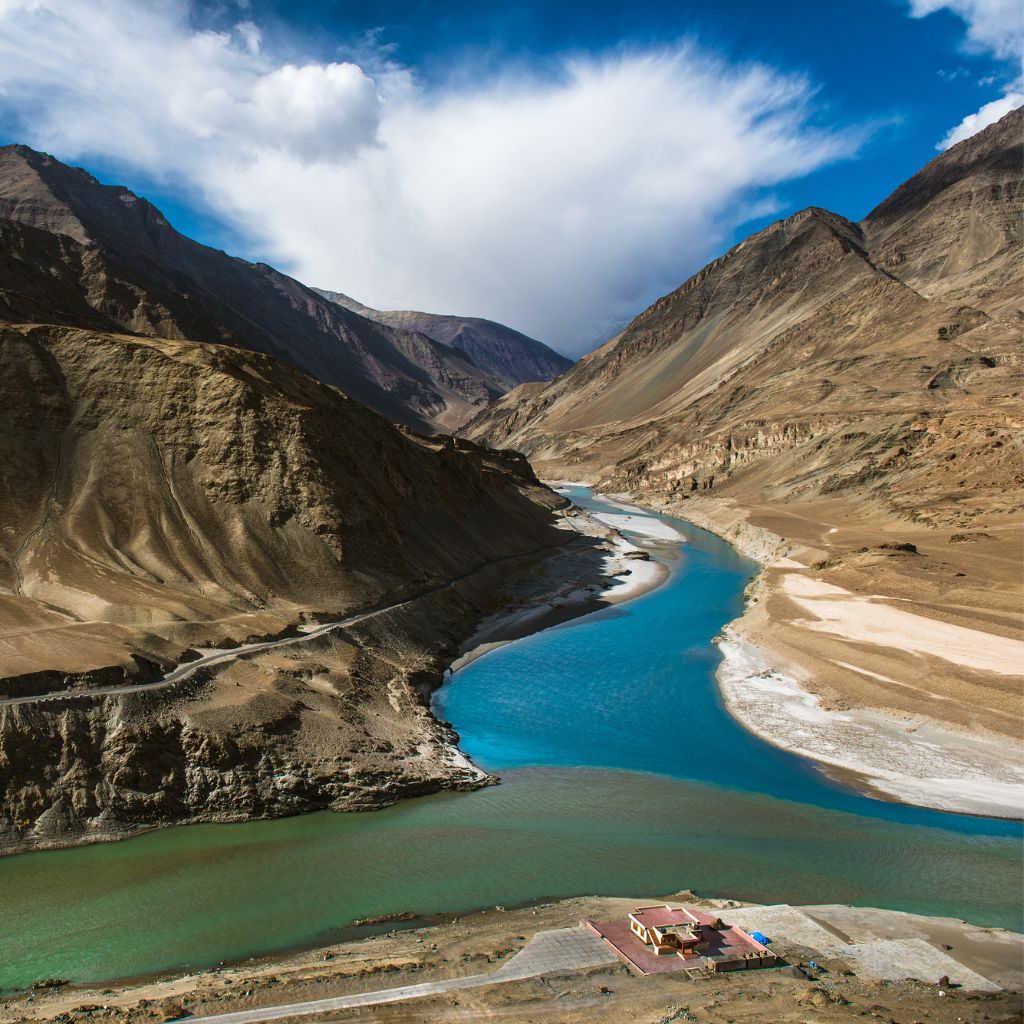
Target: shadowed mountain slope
117	254
499	350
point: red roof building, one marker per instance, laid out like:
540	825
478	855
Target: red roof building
694	939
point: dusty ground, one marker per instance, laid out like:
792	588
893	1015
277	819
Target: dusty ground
901	649
461	946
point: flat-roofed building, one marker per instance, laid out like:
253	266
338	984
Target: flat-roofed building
700	939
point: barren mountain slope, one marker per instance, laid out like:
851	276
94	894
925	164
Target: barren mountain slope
117	254
499	350
157	495
835	385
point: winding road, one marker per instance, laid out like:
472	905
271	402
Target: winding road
222	655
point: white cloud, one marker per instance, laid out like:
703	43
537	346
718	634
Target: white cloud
137	82
554	201
989	114
994	27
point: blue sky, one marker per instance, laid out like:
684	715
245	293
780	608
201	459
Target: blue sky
913	78
553	165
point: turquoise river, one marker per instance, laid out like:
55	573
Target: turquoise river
622	774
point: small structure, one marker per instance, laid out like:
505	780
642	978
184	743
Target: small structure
694	939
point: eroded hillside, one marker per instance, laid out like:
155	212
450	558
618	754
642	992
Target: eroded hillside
824	388
159	496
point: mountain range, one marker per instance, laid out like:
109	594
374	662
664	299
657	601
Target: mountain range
86	254
843	401
506	354
907	322
198	452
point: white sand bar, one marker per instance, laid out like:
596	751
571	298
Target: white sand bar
868	620
646	526
630	576
916	762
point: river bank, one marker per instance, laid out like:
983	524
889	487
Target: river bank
584	807
898	685
567	586
453	946
332	715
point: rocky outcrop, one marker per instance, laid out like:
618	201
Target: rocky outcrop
340	722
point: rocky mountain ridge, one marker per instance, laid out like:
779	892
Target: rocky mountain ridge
504	353
798	333
161	495
102	247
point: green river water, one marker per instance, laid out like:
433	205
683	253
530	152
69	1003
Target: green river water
623	775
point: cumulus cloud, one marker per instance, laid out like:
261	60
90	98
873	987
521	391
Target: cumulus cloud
557	199
138	82
994	27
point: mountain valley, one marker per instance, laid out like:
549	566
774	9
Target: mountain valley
179	472
843	402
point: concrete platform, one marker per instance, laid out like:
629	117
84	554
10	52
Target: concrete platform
879	958
561	949
895	959
622	944
784	923
994	953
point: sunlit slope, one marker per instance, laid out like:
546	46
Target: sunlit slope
852	355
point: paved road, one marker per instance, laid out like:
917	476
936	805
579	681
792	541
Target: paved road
563	949
218	657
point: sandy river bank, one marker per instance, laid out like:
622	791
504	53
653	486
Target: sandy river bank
890	655
566	586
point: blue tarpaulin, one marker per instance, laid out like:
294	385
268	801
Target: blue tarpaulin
758	937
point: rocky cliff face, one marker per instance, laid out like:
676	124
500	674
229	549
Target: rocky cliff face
502	352
158	495
817	357
341	722
90	254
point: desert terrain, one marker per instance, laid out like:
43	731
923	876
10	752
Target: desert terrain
842	402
